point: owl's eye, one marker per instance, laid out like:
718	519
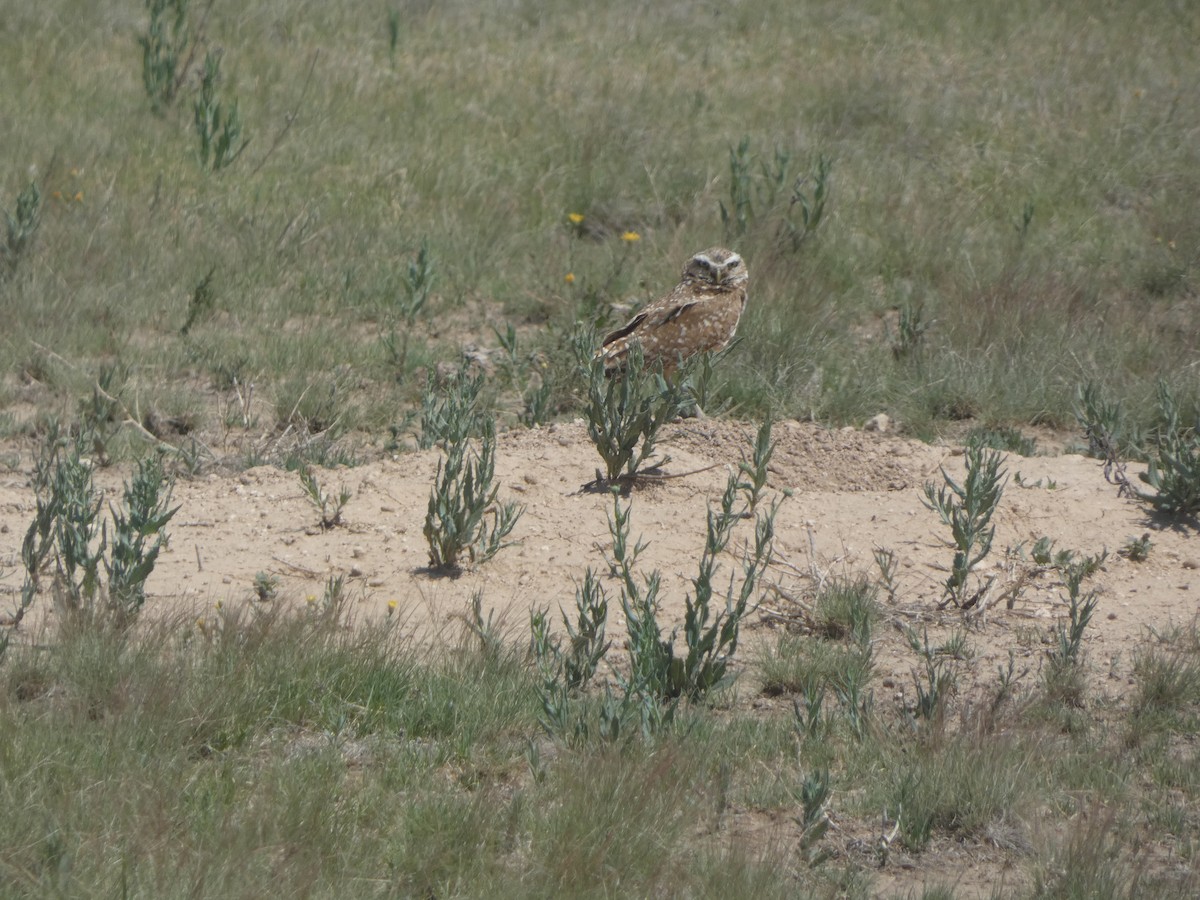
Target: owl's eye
734	263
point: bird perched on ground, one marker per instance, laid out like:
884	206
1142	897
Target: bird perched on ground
700	313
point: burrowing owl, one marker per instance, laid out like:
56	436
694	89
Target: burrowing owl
700	313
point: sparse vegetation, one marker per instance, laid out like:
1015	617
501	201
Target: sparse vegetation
1005	241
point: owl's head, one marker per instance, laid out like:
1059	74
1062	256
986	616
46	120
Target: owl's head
717	266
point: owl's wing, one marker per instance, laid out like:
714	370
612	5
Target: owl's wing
653	317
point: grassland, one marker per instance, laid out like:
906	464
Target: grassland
1018	184
1013	213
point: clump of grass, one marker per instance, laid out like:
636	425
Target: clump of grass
847	608
1001	437
464	519
964	787
968	509
757	189
218	128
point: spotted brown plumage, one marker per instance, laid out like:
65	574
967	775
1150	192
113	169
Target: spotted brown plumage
700	313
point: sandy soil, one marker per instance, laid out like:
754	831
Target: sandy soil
852	492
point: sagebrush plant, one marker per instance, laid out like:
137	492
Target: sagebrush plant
68	531
625	411
968	509
585	644
754	469
1110	432
529	375
328	506
407	305
1063	674
265	586
464	518
201	303
138	534
908	340
710	635
167	48
451	409
20	227
1173	470
218	127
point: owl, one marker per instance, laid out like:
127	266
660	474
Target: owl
700	313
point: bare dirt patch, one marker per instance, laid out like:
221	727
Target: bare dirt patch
852	492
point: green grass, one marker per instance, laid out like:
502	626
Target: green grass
1023	175
258	752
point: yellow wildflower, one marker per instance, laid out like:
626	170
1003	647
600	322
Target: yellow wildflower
57	195
631	236
391	607
569	278
79	197
575	218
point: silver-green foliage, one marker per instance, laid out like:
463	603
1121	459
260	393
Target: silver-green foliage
757	189
464	518
166	47
968	509
710	635
585	647
329	506
138	534
1174	468
1063	674
626	409
67	531
219	129
20	226
451	412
